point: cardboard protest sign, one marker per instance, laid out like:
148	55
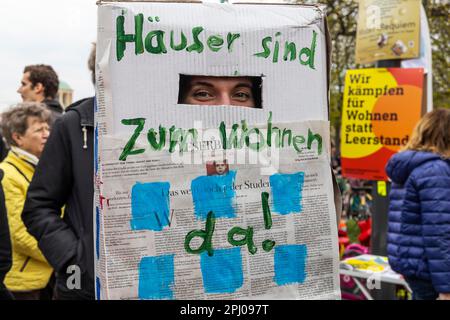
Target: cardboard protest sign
387	30
212	153
380	109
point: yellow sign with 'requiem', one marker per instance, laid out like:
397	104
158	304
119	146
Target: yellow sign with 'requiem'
388	29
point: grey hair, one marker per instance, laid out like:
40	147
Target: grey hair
15	120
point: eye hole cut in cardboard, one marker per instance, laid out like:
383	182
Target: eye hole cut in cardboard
241	91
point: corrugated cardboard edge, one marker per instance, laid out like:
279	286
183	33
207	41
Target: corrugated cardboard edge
320	7
328	49
200	1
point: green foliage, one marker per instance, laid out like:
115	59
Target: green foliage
438	13
353	230
342	22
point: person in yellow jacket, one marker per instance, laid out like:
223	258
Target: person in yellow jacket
25	128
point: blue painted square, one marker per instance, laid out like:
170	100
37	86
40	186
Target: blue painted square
222	272
287	192
214	193
150	206
290	264
156	277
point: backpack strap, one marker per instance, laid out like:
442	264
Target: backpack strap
18	170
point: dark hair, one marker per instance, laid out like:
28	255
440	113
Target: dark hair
185	81
15	120
91	61
223	162
44	74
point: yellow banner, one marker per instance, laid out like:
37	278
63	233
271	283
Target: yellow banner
388	29
380	110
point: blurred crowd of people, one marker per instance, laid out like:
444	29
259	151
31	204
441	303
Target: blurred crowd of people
418	239
46	194
47	189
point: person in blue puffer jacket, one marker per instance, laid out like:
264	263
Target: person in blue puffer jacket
419	209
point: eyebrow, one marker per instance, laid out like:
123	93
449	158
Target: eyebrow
202	83
210	85
245	85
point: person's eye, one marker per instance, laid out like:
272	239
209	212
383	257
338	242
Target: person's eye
41	129
202	95
241	96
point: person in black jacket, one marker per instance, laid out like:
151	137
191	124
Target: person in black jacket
5	245
3	149
64	177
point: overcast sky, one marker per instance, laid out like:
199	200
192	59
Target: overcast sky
55	32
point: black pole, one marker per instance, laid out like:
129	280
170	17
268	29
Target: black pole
380	209
380	203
